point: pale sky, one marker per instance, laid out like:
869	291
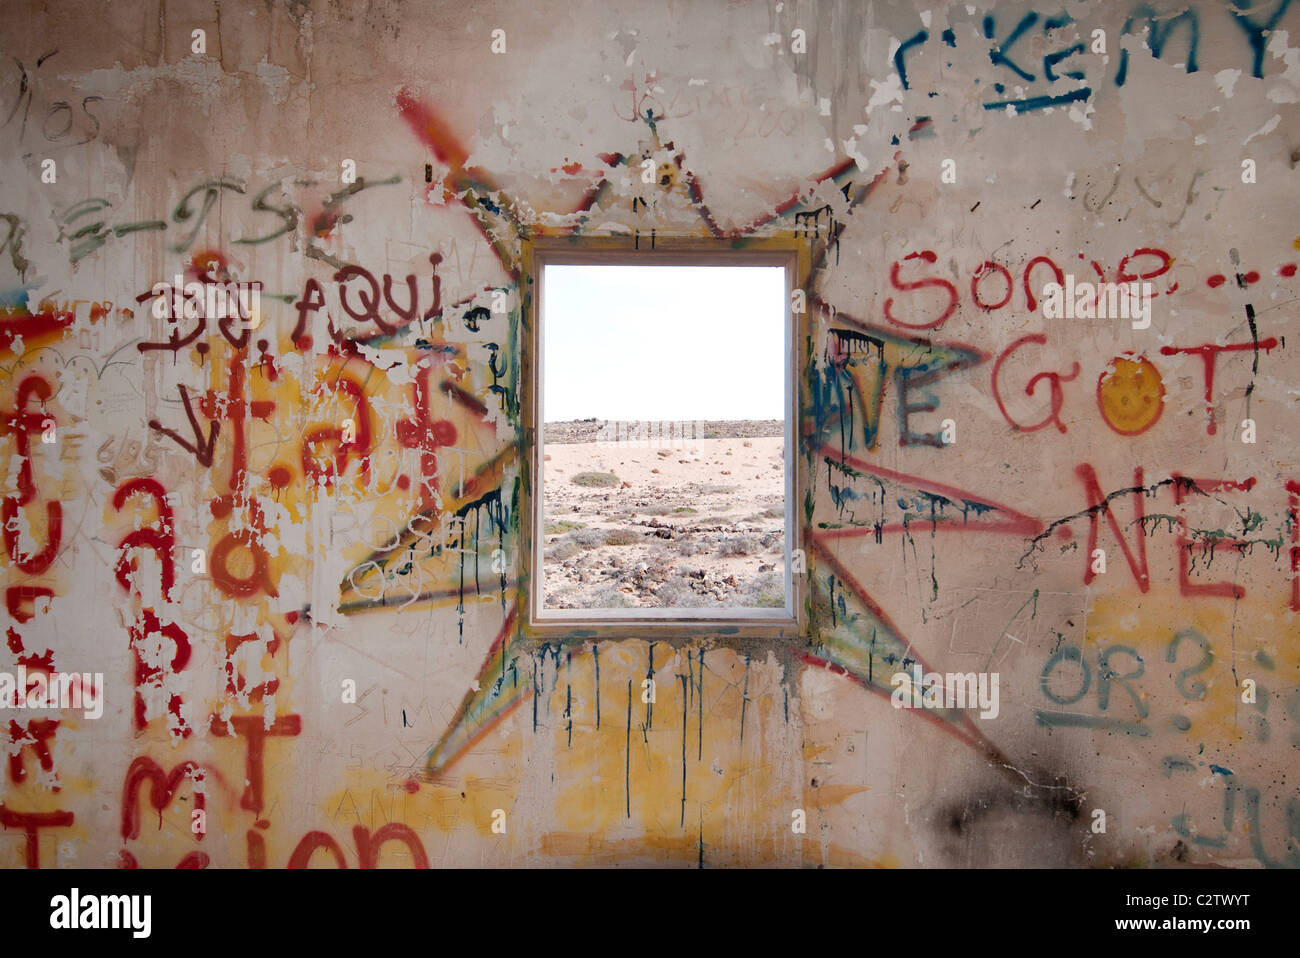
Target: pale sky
676	343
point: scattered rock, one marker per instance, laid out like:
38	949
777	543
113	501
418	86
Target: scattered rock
642	547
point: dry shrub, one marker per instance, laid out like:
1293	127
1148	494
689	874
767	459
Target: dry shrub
623	537
595	479
739	546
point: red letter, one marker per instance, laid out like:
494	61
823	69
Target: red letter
929	257
312	841
1204	486
1209	353
1029	268
368	845
162	788
1054	381
162	541
1100	503
32	822
253	728
989	267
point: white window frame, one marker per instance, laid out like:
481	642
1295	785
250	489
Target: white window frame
789	620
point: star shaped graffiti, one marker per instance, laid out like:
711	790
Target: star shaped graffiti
851	634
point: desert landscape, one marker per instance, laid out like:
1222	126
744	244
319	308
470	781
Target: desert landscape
695	523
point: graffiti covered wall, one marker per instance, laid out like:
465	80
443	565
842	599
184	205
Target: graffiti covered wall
263	270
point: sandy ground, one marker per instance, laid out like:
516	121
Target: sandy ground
697	525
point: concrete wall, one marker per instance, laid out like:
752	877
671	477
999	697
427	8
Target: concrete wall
1115	140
